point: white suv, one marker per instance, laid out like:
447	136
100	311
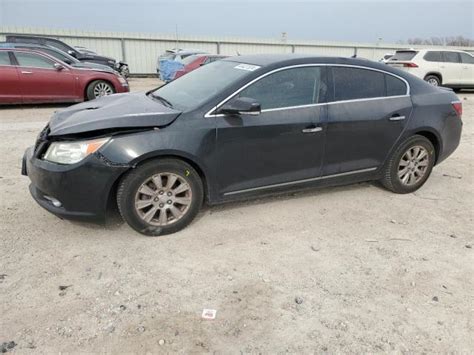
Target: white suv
454	69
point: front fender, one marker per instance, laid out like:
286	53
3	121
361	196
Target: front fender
195	146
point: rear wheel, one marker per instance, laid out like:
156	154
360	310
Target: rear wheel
99	88
433	80
409	166
160	197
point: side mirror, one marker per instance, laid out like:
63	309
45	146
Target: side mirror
241	105
58	66
70	52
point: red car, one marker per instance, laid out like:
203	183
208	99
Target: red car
195	61
29	76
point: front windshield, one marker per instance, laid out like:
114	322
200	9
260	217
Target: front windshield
194	88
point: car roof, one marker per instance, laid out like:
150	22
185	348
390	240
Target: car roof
295	59
30	50
434	49
29	36
26	45
199	55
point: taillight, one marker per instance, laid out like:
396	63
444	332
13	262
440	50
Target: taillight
410	65
457	105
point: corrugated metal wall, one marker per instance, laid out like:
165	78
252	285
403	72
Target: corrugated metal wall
141	51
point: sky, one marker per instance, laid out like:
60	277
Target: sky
337	20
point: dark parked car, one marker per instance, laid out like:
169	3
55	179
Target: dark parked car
30	76
238	128
195	61
121	67
59	55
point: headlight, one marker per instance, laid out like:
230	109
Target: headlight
72	152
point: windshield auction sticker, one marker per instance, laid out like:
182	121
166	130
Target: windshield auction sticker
247	67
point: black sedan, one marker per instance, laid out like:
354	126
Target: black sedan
238	128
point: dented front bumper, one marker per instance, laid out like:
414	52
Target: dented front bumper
76	191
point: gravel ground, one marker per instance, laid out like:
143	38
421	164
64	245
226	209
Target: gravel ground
346	269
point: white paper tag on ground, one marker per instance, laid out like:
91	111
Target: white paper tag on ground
248	67
209	314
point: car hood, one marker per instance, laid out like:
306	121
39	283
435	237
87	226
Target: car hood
93	66
120	111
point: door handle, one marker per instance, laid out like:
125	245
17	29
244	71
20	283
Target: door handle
312	130
397	118
26	72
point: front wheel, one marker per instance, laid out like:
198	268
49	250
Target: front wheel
409	166
99	88
160	197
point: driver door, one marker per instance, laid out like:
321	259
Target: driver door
284	144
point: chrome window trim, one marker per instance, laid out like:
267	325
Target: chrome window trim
209	114
300	181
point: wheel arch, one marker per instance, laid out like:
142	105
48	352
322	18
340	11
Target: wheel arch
90	81
202	172
433	138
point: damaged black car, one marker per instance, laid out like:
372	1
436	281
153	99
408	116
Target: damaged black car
239	128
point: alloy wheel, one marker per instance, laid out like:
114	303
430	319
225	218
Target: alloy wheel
433	81
413	165
163	199
102	89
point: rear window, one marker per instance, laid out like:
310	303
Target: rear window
354	83
433	56
404	55
451	57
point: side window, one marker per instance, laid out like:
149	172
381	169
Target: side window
289	87
4	58
394	86
451	57
466	58
432	56
354	83
33	60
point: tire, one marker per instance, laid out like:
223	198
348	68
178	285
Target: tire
433	80
99	88
397	171
155	211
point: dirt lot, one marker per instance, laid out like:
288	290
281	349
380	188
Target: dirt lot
372	271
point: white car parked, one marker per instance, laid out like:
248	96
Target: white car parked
454	69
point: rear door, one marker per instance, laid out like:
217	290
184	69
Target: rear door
40	81
467	62
451	68
282	145
9	80
366	116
